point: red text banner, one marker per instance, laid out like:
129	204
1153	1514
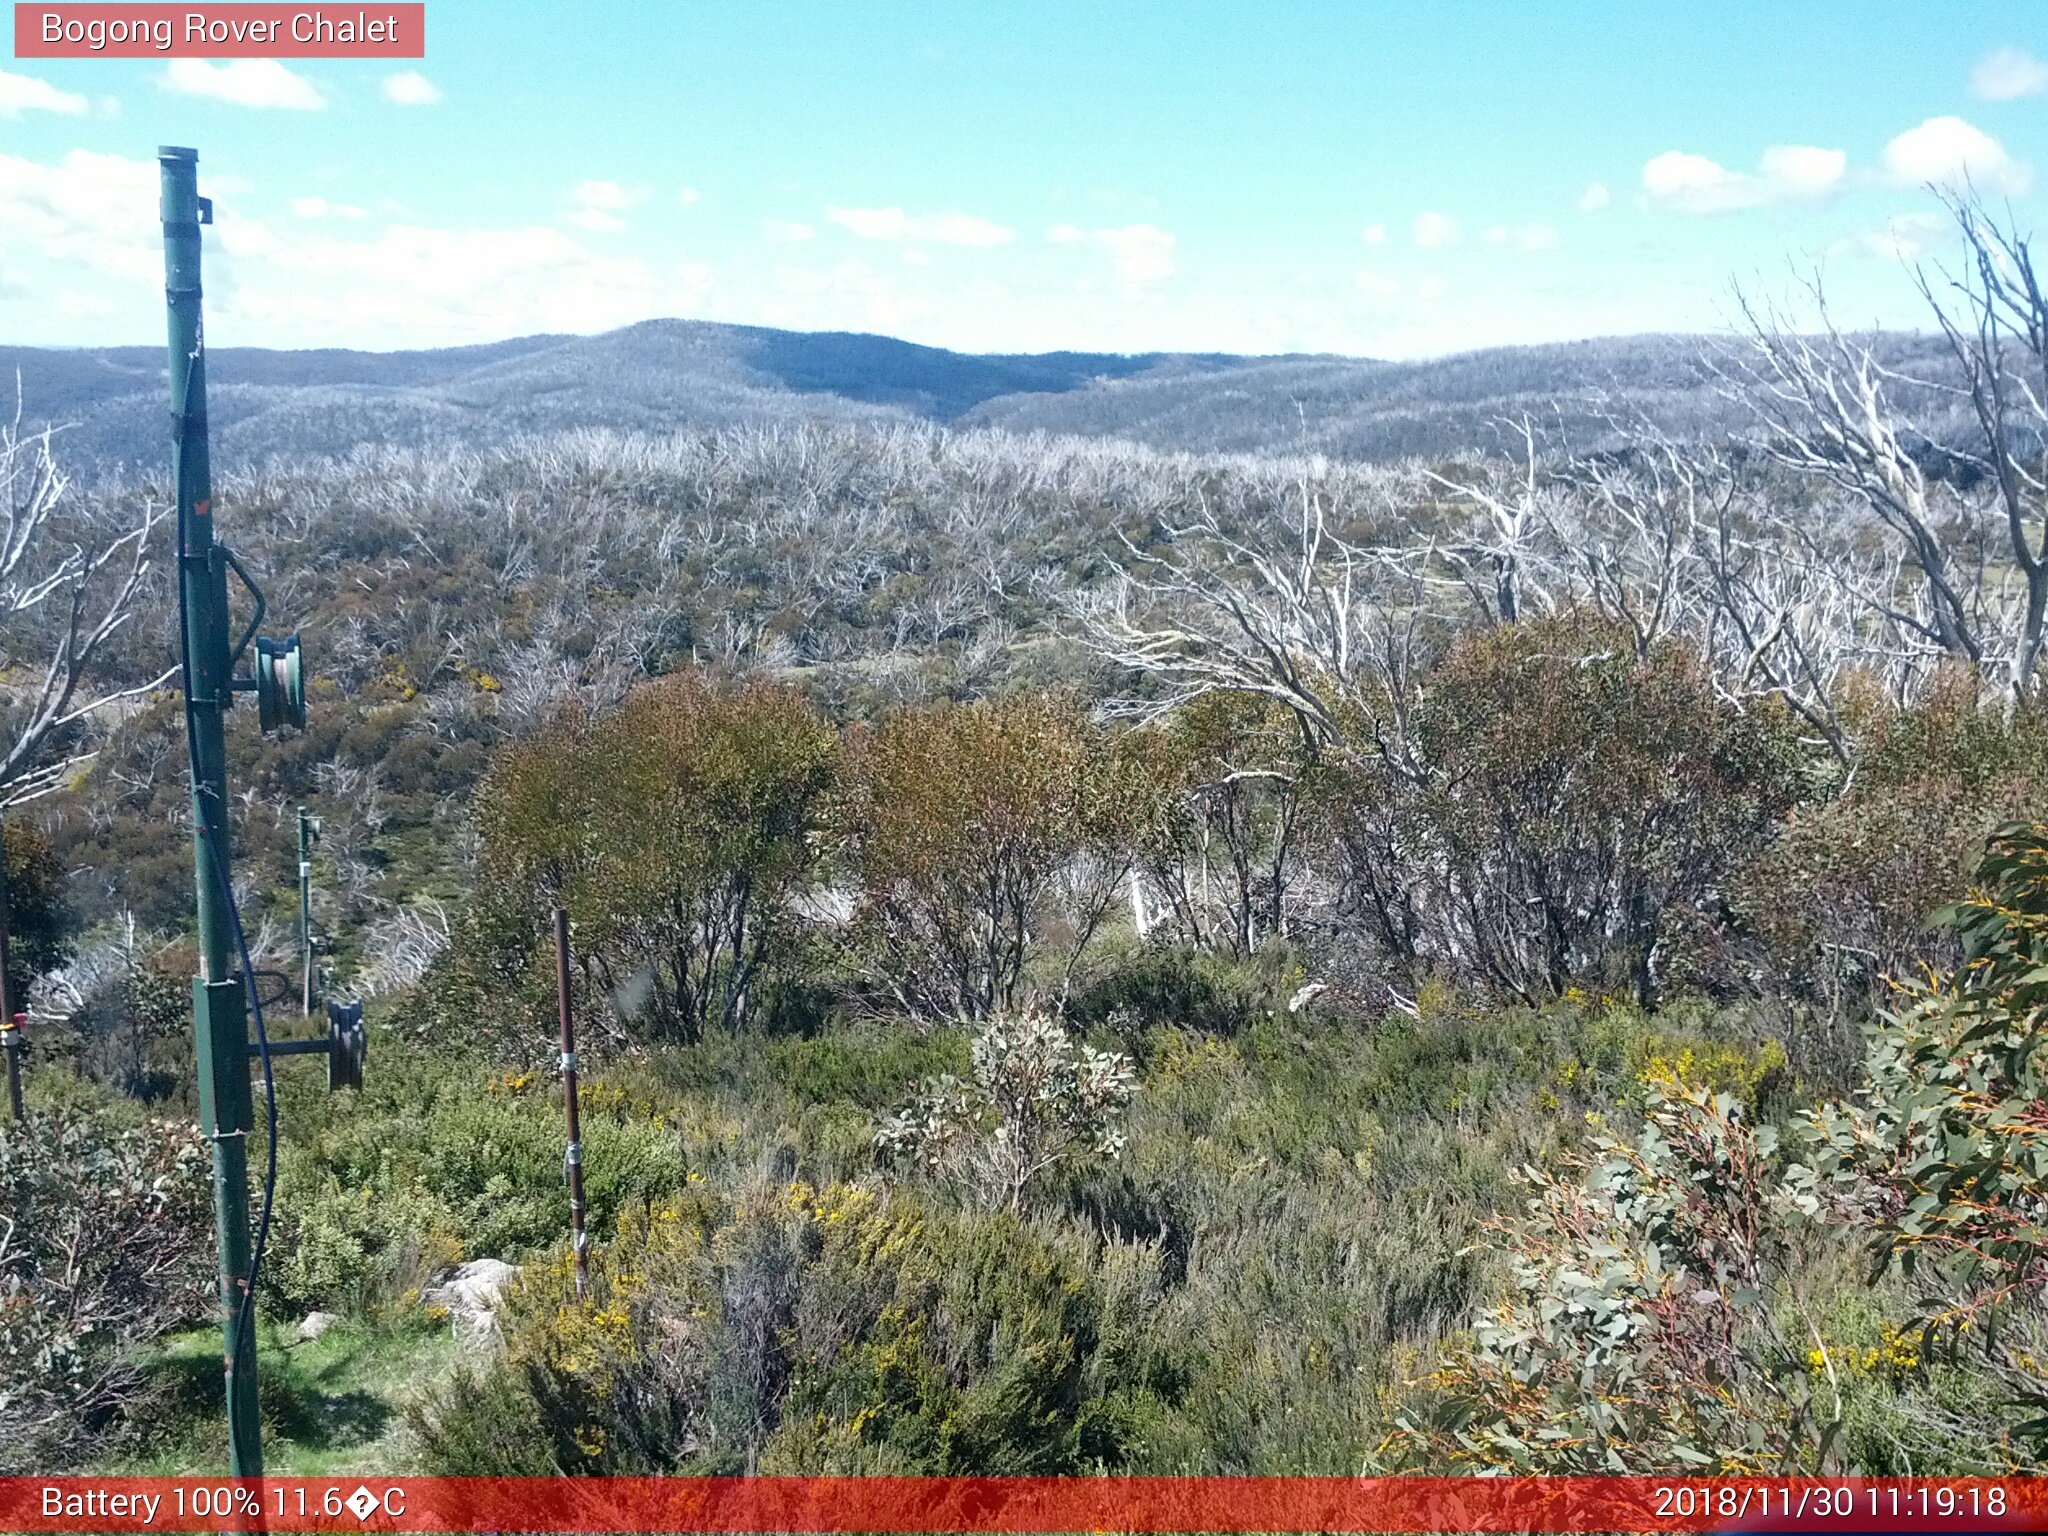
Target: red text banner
257	30
913	1504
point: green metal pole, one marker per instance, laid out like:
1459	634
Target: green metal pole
306	909
10	1036
220	1025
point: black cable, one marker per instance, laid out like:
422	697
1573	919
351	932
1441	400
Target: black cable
245	1325
245	1311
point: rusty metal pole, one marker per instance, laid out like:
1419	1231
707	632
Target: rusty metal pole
572	1160
12	1043
306	962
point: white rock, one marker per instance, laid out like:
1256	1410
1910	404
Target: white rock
1307	995
471	1293
315	1324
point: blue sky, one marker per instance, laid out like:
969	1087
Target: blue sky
1370	177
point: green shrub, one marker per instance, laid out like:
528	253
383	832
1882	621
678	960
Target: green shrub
1551	811
980	836
1640	1334
678	831
1162	983
808	1331
130	1015
433	1164
353	1248
105	1244
39	926
1220	841
1845	896
1943	1166
1035	1104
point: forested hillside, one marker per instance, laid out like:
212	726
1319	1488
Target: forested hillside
1093	957
671	375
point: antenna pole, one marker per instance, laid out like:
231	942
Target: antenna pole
572	1160
220	1023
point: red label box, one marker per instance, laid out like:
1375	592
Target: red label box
367	29
1017	1505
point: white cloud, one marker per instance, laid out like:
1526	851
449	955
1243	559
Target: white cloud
414	285
1906	238
1377	284
786	231
1802	171
1528	237
25	93
609	195
1696	184
1595	197
689	197
74	305
1431	288
410	88
695	280
1138	253
599	204
871	223
1435	230
244	83
85	211
1950	152
2006	74
1786	173
325	282
321	208
850	292
937	228
1374	234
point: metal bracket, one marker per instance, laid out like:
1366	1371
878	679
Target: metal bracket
255	619
188	229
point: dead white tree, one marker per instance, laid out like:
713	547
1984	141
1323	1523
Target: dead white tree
402	947
1217	611
1830	411
71	578
1629	531
1996	322
1500	557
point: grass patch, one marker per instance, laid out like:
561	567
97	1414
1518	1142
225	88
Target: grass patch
333	1405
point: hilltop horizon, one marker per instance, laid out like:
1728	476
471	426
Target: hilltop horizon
673	374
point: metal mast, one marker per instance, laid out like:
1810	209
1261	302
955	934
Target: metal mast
220	1024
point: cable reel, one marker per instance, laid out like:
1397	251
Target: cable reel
347	1044
279	680
280	684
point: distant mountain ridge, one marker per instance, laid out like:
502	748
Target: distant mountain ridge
664	375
